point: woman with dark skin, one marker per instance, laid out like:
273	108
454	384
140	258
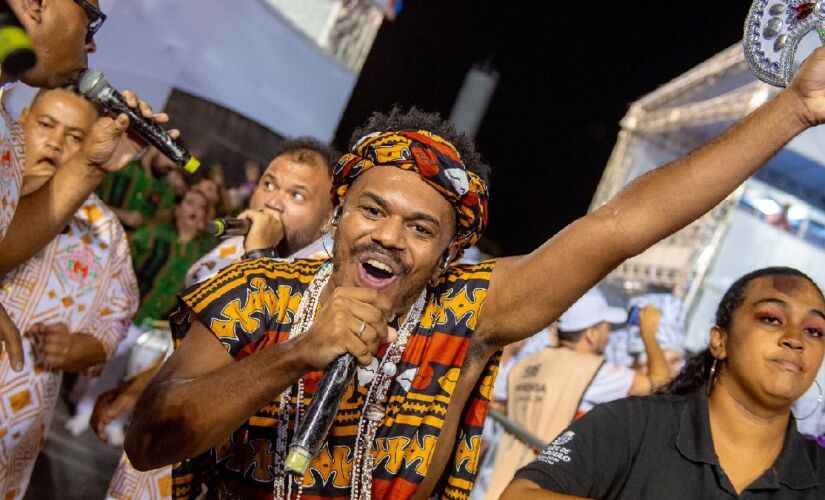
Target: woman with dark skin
723	428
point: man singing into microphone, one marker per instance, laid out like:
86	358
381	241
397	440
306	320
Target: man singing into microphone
62	32
290	211
410	196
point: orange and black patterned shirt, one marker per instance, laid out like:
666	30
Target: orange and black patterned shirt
251	305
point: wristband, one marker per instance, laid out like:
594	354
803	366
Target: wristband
258	253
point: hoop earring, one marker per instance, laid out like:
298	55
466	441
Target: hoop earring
818	402
712	377
328	229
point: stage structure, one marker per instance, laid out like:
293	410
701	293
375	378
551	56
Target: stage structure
778	218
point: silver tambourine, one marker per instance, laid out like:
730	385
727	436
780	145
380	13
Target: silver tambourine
773	31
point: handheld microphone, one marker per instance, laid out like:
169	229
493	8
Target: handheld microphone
16	49
310	436
228	227
94	86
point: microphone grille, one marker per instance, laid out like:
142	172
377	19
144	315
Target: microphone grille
91	83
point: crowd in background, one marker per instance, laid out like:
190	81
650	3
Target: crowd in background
95	298
595	353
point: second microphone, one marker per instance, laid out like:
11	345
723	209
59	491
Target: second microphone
228	227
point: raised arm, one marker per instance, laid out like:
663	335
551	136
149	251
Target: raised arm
529	292
658	370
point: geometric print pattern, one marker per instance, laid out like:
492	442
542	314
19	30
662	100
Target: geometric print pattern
131	484
251	305
82	278
12	159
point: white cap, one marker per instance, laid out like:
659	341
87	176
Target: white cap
590	310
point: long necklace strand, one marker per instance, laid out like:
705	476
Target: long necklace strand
302	321
371	416
374	412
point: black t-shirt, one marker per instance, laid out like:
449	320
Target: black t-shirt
660	447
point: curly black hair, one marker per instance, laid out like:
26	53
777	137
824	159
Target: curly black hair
415	119
696	372
307	150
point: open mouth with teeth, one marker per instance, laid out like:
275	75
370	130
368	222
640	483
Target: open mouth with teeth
374	273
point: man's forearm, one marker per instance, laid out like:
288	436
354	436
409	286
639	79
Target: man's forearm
650	208
667	199
522	489
41	215
176	419
657	366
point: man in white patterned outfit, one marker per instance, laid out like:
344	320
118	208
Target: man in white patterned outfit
289	210
73	300
62	33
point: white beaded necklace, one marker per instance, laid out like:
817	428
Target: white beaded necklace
373	413
363	463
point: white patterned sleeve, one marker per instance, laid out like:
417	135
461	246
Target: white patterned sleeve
115	314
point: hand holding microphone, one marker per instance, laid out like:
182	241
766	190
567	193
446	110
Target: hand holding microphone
94	86
348	330
106	147
266	229
262	228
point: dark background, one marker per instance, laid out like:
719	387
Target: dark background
569	71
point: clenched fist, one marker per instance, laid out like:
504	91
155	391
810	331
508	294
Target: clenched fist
649	318
108	147
354	320
265	230
54	342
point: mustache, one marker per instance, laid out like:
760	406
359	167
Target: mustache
376	248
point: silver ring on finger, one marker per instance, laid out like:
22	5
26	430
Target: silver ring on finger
361	330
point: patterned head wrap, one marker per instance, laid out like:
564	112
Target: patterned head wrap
435	160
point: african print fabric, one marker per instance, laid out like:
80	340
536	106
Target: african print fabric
12	160
251	305
161	262
83	278
437	162
127	482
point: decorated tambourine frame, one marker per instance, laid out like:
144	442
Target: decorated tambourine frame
773	31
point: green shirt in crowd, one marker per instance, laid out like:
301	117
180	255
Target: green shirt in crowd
161	262
133	188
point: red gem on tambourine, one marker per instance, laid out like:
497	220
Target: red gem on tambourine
804	10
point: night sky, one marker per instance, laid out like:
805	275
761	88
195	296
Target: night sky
568	74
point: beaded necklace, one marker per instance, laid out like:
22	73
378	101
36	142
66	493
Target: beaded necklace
374	411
